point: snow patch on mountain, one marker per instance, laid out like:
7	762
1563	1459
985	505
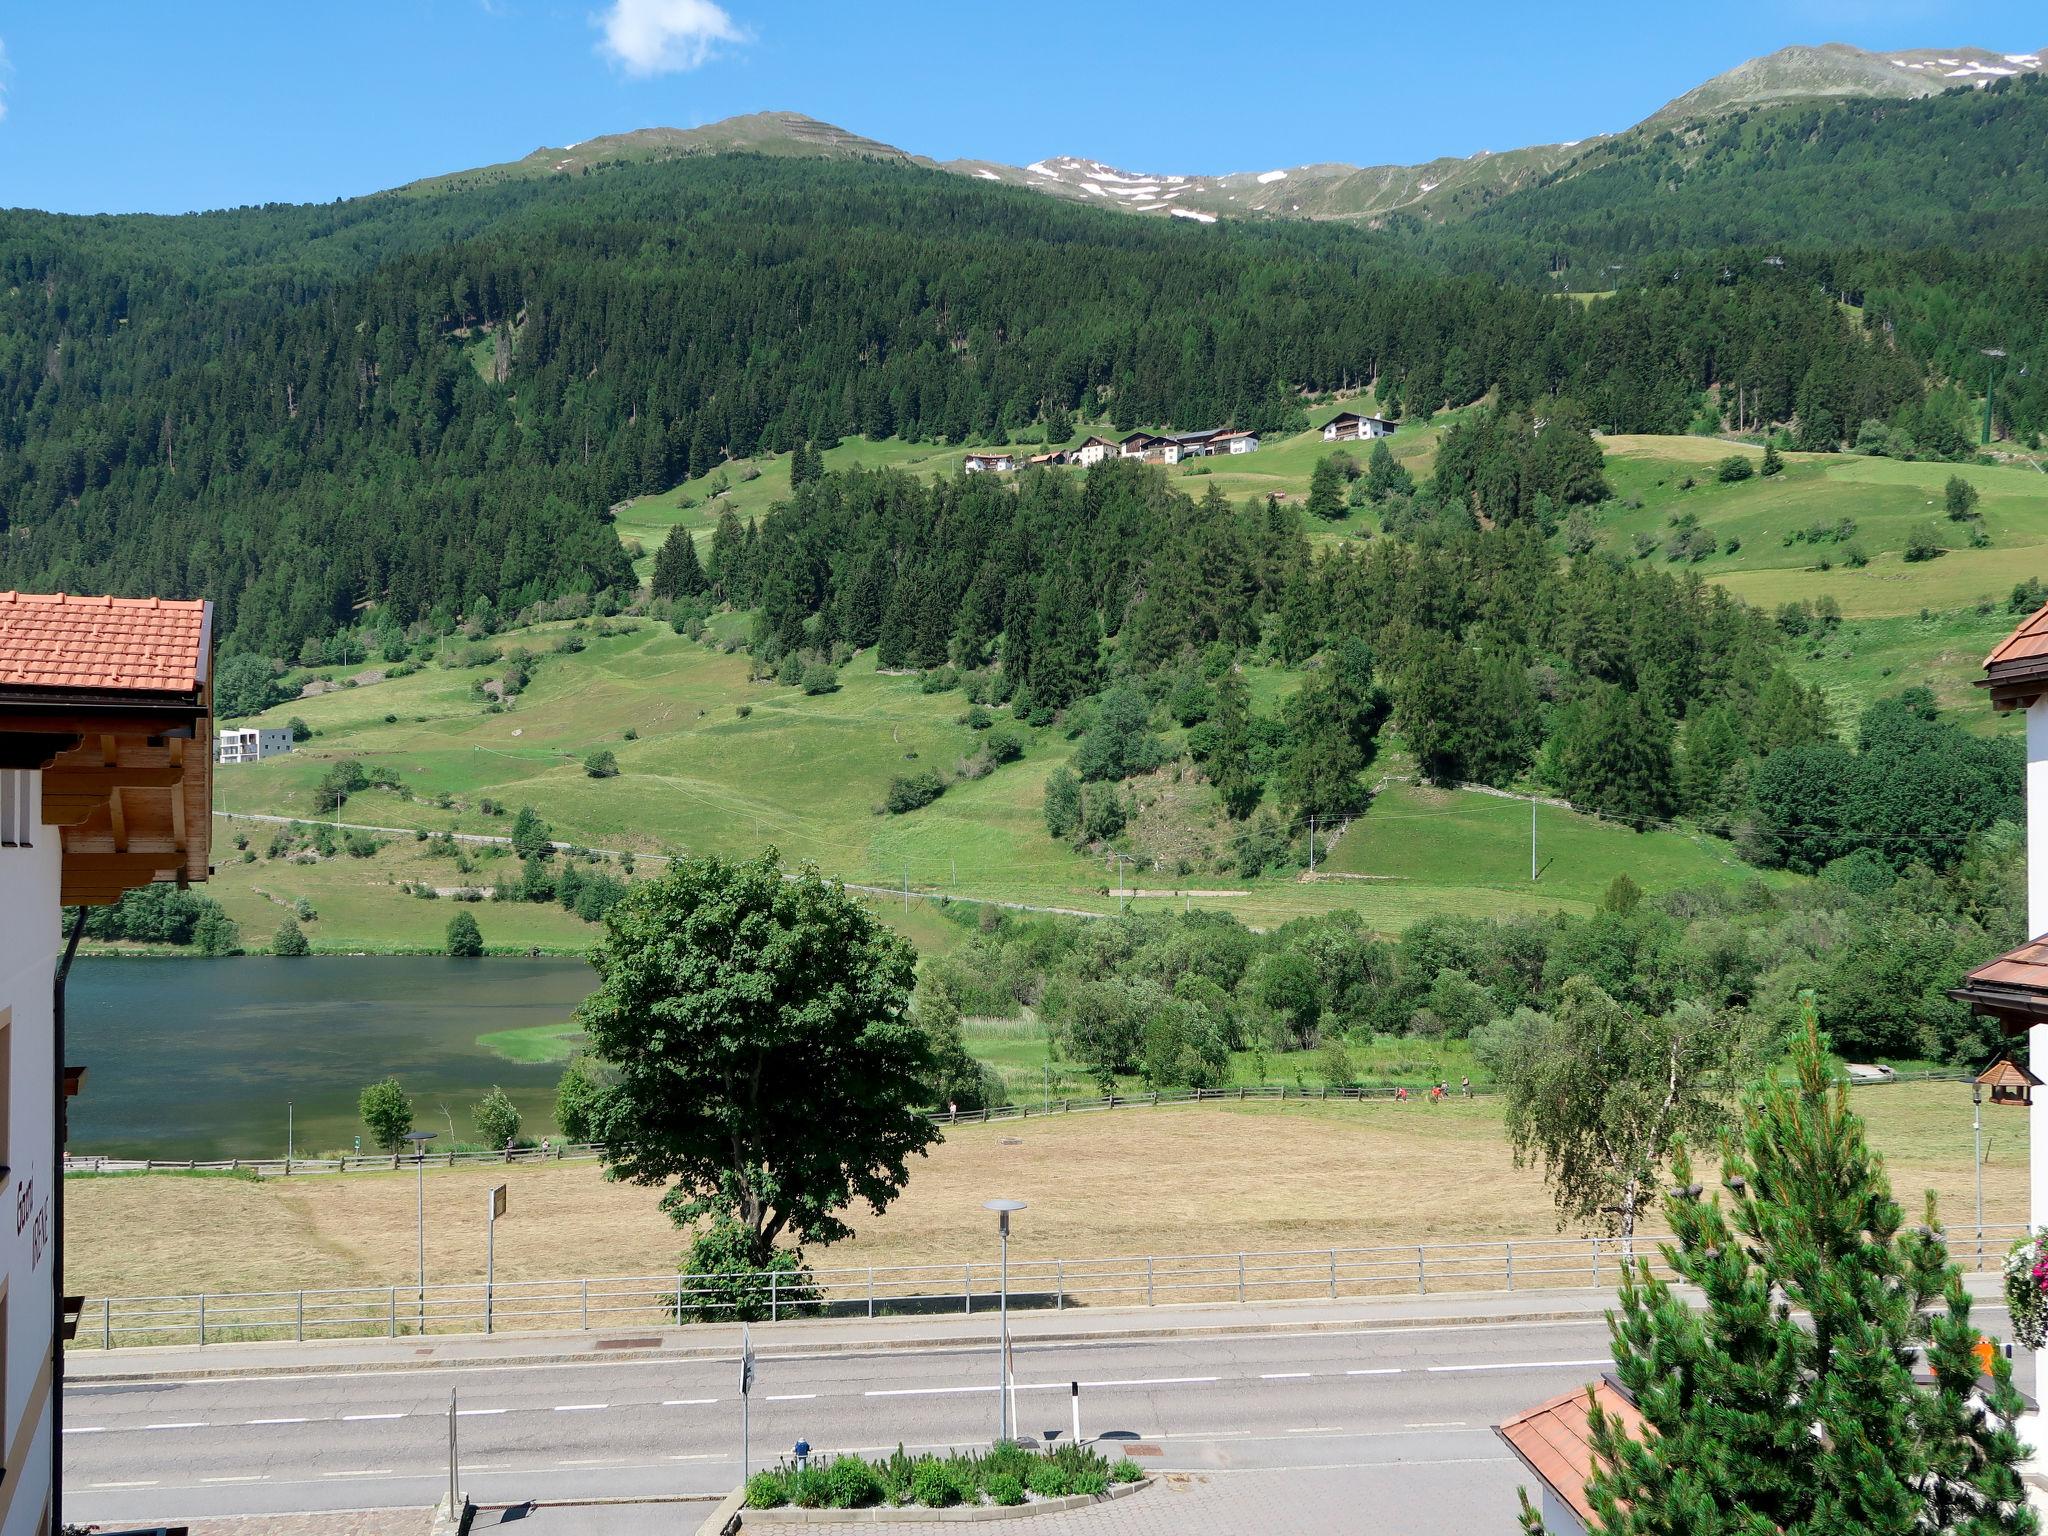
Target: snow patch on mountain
1266	177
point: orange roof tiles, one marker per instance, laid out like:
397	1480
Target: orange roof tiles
1555	1443
2024	969
2007	1073
2023	644
132	644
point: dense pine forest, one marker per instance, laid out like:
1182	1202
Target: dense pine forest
427	403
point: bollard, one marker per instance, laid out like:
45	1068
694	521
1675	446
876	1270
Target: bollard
1075	1389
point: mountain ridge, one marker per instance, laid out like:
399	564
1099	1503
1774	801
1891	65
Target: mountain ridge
1438	190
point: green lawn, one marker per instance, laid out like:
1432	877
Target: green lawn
1885	498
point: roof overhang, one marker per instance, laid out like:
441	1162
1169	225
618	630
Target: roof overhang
2017	1009
2015	684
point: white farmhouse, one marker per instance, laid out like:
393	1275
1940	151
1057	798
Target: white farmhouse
1350	426
105	785
982	463
250	744
1094	451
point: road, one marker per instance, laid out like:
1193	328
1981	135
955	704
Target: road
1403	1410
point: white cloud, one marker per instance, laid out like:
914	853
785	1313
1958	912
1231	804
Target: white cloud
659	37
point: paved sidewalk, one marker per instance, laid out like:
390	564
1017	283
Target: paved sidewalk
351	1522
827	1335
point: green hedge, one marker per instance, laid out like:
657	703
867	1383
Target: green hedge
1000	1476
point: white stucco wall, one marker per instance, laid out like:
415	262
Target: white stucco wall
29	946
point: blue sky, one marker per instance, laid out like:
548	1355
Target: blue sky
108	106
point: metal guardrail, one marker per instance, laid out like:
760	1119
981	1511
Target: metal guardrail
647	1301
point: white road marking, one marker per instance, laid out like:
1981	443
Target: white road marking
790	1397
592	1461
580	1407
1155	1381
1518	1365
85	1429
1317	1429
1437	1424
361	1472
929	1391
688	1402
355	1418
251	1477
1284	1376
1377	1370
276	1421
147	1483
476	1413
194	1424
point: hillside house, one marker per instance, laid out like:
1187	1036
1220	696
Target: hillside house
250	744
1140	445
1351	427
1057	456
105	785
1094	451
1234	442
983	463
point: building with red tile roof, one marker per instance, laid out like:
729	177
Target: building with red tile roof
2016	671
1555	1442
106	730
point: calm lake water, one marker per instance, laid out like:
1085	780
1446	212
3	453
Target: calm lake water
196	1058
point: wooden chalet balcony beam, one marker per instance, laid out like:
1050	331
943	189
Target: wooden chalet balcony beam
71	796
98	879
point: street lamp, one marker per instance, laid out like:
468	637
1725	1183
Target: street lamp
419	1140
1977	1132
1006	1395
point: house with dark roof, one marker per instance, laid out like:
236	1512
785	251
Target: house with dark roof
1095	450
1351	427
106	784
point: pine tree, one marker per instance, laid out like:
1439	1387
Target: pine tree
1383	476
1230	757
1320	776
1326	491
1774	461
1762	1421
677	570
1617	761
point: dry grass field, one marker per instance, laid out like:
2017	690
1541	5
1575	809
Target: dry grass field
1172	1180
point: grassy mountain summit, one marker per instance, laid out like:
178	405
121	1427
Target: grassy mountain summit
1801	73
789	134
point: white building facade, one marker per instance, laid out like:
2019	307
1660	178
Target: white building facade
250	744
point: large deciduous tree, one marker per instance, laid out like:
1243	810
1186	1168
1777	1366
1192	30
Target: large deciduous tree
1598	1092
752	1028
1787	1402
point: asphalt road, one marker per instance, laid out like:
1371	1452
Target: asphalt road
1405	1409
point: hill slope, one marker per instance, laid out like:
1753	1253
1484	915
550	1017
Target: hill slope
1801	73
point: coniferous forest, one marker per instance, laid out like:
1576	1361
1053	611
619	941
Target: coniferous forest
424	403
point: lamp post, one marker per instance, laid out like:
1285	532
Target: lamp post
287	1134
1977	1135
419	1140
1006	1394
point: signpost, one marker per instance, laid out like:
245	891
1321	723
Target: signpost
746	1388
491	1254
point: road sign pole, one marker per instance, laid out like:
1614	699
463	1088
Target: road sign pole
493	1211
746	1399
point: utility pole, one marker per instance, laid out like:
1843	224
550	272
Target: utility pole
1311	845
1990	384
1532	841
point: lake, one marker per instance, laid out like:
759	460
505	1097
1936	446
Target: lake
197	1058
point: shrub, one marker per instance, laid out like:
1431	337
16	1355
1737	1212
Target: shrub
1735	467
1125	1471
299	729
496	1117
1923	543
912	791
289	940
819	678
932	1486
601	764
854	1484
360	845
728	1279
768	1490
1005	1488
1051	1480
1002	747
465	939
810	1487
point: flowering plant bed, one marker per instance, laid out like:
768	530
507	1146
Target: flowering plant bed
2026	1289
1009	1476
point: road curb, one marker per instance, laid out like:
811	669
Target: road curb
594	1351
